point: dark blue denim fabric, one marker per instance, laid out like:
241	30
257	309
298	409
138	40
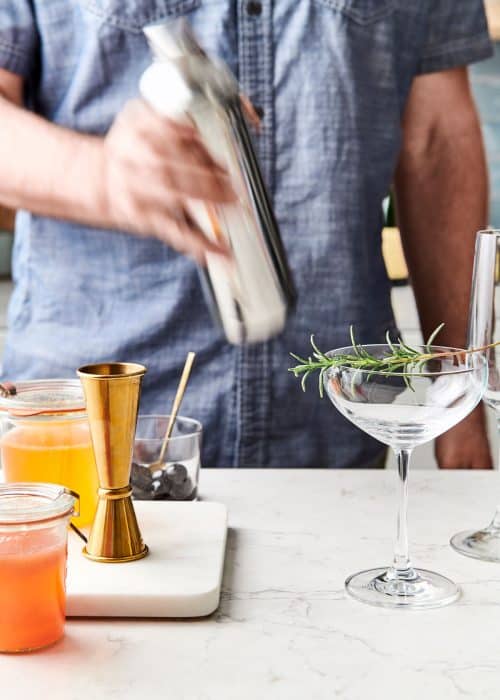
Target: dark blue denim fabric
331	77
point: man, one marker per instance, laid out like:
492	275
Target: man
353	94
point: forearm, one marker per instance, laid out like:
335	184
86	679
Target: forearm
136	179
442	201
47	169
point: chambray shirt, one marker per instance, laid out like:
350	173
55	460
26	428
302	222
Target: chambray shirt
331	78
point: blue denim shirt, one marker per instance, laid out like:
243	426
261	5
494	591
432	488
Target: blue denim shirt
331	77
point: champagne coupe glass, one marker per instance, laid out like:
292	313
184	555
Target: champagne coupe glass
404	411
485	543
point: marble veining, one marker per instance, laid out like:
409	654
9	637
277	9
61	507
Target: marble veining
284	628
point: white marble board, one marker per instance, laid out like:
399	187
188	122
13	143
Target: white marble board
180	577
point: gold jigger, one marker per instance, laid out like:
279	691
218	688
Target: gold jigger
112	393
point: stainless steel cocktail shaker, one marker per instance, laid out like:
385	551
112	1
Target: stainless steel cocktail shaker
252	294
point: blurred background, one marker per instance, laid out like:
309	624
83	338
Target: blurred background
485	78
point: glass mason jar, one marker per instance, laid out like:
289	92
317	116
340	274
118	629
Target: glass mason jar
33	551
45	437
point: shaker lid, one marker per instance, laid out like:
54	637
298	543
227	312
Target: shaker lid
174	43
43	397
26	502
172	40
163	86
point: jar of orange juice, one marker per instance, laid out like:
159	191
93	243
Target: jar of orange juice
33	551
45	437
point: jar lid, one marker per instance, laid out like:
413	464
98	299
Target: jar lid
31	502
43	397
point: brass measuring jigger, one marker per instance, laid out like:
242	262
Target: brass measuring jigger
112	392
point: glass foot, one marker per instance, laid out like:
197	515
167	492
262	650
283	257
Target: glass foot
479	544
419	590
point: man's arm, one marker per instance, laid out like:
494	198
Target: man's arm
135	179
442	201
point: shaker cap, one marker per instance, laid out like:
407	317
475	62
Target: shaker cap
165	89
174	45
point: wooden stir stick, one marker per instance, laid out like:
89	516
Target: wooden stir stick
175	410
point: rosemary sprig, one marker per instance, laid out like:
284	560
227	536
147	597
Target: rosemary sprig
401	360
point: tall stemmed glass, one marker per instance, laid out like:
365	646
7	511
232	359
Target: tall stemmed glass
404	411
485	543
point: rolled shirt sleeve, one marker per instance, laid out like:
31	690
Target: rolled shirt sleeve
18	36
458	35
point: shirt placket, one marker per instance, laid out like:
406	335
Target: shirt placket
255	59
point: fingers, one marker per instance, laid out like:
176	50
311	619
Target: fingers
175	153
171	223
152	166
148	120
182	234
250	113
466	445
160	181
196	183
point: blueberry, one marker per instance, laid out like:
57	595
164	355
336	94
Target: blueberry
140	495
165	478
182	492
177	473
161	489
141	477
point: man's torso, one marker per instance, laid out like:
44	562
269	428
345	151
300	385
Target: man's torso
330	78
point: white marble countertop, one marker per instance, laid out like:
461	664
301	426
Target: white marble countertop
284	629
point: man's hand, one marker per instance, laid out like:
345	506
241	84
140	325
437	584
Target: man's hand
152	165
137	179
466	445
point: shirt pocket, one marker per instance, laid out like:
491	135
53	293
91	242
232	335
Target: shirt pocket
133	15
361	11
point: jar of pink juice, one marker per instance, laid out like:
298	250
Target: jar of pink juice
34	521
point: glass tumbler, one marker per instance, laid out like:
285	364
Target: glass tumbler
176	478
34	522
45	438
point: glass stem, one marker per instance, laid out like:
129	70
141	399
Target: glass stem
495	523
401	567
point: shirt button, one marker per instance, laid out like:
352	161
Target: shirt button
254	8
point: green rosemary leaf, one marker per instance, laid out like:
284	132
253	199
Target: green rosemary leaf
407	381
320	355
433	336
407	348
351	334
420	365
396	368
304	380
399	359
320	382
298	358
389	341
353	340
